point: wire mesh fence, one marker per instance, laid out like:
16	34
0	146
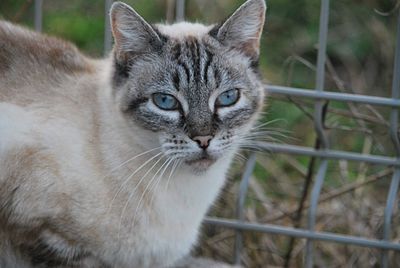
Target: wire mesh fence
324	153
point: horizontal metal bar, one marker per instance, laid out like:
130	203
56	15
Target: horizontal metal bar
331	154
301	233
309	93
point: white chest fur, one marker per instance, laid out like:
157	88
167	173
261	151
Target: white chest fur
167	228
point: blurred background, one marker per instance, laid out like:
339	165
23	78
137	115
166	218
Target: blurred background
361	43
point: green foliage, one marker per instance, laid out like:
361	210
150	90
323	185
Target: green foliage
86	33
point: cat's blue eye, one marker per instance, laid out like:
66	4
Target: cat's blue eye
165	101
228	98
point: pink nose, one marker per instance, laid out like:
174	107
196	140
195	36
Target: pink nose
203	141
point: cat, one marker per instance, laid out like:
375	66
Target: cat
114	162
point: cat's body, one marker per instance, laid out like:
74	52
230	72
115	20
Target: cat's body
80	185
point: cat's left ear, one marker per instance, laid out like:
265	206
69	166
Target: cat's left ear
132	34
243	29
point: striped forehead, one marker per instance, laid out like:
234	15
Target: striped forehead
194	63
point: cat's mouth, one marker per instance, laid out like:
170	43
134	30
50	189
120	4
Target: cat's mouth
201	163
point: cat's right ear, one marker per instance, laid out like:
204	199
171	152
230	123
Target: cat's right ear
132	34
242	31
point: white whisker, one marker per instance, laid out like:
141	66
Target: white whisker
129	177
154	189
267	123
131	159
177	161
147	189
135	188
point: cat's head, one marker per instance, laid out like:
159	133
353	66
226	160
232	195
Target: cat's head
195	86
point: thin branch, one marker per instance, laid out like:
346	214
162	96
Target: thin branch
335	193
360	116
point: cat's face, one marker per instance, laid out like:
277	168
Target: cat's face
195	86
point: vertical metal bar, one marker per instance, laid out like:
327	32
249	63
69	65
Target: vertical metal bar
180	10
394	185
394	116
170	11
107	27
394	126
243	188
319	126
320	79
38	15
312	214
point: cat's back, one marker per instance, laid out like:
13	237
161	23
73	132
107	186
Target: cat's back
46	85
32	63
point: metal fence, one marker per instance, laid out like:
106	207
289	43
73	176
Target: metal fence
325	154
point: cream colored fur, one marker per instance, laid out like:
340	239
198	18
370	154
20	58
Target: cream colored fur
72	136
73	174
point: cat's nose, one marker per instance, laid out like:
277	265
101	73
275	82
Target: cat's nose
203	141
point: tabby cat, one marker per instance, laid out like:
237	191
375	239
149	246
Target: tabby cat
114	162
